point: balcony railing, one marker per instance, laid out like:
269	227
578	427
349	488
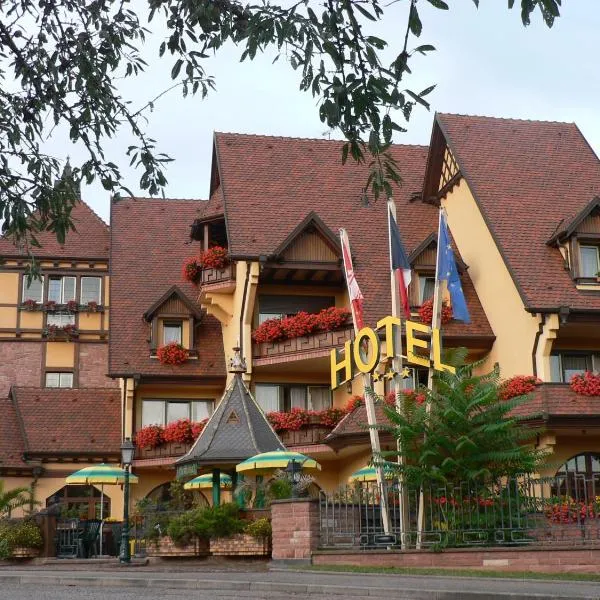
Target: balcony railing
212	276
313	433
170	450
307	346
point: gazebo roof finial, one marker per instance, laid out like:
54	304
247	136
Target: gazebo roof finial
236	363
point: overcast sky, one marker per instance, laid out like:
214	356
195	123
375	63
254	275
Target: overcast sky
486	63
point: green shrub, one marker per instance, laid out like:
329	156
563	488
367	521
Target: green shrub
261	528
280	489
21	533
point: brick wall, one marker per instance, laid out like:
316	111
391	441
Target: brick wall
93	366
20	364
540	560
165	546
240	545
295	526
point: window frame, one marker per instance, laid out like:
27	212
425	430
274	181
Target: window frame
60	374
593	363
165	403
423	277
174	323
24	295
588	245
62	299
284	394
99	278
61	314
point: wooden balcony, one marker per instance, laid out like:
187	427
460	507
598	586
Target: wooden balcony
170	450
315	345
218	278
313	433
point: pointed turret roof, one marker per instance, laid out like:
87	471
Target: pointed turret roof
237	430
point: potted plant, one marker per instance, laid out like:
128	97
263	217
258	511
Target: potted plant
51	331
20	538
192	269
71	331
92	306
30	304
172	354
214	258
72	306
50	306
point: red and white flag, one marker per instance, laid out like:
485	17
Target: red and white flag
356	297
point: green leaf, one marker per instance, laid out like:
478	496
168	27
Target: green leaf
439	4
414	22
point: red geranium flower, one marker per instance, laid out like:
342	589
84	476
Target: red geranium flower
519	385
587	384
172	354
426	312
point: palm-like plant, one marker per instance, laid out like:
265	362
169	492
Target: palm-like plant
12	499
468	432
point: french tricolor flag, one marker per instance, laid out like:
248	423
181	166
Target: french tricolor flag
399	263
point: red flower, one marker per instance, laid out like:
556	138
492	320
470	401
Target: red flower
301	324
198	427
192	269
354	403
180	432
92	306
214	258
330	417
172	354
426	312
30	304
72	305
519	385
149	437
587	384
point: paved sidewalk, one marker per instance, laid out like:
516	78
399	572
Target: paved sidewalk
299	584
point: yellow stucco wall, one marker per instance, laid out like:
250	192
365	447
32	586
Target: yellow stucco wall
8	317
32	320
514	328
60	354
9	288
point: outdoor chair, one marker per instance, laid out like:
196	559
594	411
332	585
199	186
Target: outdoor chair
91	536
68	540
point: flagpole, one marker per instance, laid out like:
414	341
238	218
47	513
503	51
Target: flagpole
369	406
436	322
397	370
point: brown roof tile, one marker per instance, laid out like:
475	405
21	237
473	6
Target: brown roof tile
527	176
69	420
150	241
270	185
11	439
89	240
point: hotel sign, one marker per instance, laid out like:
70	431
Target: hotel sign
364	354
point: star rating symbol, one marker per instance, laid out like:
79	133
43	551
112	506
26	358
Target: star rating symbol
405	373
377	376
390	375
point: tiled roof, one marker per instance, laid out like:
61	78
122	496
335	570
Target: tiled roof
237	430
150	241
270	184
11	439
69	420
356	422
528	176
89	240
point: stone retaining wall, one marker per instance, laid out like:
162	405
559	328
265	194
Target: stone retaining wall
295	526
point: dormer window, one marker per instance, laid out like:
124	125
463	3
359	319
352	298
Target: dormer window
589	261
426	288
172	332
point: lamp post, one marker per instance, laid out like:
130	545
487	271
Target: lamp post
293	469
127	452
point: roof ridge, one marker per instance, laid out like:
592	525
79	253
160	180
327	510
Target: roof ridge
32	387
506	119
94	213
301	139
150	198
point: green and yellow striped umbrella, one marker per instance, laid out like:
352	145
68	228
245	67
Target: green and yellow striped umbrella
206	481
269	461
100	475
370	474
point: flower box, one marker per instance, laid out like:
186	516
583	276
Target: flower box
306	435
166	547
241	544
162	451
22	552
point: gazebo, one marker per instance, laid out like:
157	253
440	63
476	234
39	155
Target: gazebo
237	430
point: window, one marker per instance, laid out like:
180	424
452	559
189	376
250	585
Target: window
578	478
284	397
162	412
564	365
61	289
275	307
426	287
172	332
60	319
417	377
59	380
34	290
91	290
590	263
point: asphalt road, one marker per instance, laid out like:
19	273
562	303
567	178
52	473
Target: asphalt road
142	584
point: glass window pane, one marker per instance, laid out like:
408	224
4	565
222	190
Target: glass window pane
267	397
177	411
60	319
298	397
68	289
91	289
66	380
172	333
574	364
55	289
33	291
201	409
52	379
426	288
409	382
589	261
262	317
153	412
581	463
319	398
555	368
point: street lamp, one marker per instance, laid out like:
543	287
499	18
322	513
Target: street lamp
294	469
127	452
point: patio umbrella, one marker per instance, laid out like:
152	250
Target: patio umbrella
206	481
370	474
279	459
101	475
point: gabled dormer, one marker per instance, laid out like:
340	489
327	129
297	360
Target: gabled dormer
173	318
442	172
578	239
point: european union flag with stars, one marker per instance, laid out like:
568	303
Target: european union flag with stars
447	271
